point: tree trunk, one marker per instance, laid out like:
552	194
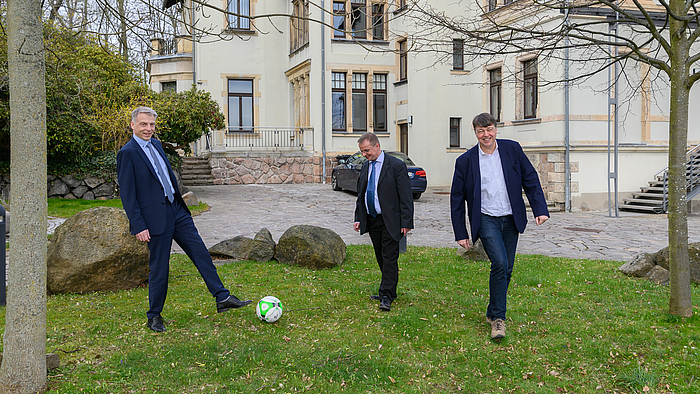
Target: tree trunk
680	302
23	367
123	42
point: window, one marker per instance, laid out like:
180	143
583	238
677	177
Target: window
403	138
359	102
458	54
403	61
299	25
492	5
401	4
454	132
242	9
495	93
338	105
240	105
359	13
379	102
378	21
530	88
339	19
168	86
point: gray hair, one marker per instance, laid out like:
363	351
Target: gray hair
369	137
142	110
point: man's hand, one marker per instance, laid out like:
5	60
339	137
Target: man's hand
464	243
144	236
405	231
356	226
541	219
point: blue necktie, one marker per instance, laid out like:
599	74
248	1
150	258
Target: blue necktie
159	171
371	191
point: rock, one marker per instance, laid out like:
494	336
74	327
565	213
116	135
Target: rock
658	275
88	196
71	181
236	248
58	188
311	247
694	255
263	246
93	182
475	252
94	251
104	190
190	199
639	265
79	191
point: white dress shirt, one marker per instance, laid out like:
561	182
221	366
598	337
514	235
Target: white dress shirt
144	145
494	195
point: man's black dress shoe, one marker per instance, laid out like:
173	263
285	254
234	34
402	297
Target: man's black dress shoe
231	302
156	324
375	297
385	305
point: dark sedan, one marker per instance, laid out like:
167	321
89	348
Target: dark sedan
345	175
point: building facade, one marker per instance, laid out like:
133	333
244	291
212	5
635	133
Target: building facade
297	90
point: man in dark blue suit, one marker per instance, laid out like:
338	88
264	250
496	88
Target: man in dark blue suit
491	177
384	208
158	215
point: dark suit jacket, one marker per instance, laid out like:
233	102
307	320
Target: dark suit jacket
142	194
519	175
395	197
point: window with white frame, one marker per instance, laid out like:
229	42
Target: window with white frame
458	54
240	104
455	130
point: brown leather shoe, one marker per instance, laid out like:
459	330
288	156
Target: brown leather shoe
498	329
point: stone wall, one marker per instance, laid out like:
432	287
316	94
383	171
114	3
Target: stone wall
70	187
551	168
247	170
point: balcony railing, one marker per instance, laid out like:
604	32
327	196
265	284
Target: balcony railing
272	138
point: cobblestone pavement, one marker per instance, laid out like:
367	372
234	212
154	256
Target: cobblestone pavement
245	209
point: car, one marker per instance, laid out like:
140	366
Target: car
345	174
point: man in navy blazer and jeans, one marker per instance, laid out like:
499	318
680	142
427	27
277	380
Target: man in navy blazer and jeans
491	177
158	215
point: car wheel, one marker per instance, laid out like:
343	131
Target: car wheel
416	196
334	182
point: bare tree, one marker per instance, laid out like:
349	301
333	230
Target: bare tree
23	367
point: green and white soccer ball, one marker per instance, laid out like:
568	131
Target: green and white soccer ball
269	309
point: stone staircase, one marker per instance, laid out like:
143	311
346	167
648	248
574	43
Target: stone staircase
196	171
654	198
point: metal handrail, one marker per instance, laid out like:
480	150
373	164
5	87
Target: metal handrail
265	137
692	172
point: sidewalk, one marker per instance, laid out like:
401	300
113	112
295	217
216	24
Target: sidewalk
245	209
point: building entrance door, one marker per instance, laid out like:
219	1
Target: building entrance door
403	137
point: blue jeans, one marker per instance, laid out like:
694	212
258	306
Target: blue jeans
500	239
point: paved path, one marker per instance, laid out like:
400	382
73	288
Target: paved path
245	209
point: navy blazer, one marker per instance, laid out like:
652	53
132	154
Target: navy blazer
142	194
395	197
519	175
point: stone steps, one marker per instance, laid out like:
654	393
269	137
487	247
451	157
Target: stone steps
196	171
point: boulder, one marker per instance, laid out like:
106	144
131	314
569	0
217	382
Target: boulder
58	188
94	251
88	196
104	190
311	247
261	248
658	275
639	265
93	182
71	181
475	252
190	199
693	252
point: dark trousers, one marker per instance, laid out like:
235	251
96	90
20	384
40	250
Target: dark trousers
179	226
500	239
387	251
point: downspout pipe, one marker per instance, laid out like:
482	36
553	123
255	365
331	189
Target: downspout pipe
323	91
567	120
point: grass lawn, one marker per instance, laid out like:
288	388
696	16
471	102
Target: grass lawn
63	208
574	326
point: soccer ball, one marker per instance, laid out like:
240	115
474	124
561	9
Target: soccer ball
269	309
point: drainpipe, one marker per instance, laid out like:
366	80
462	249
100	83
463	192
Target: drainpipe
323	91
194	67
567	152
